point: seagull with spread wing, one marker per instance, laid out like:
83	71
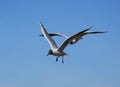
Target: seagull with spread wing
58	51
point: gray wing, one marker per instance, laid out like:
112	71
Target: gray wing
83	33
48	38
55	34
67	41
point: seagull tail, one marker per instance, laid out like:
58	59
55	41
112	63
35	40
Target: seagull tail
66	54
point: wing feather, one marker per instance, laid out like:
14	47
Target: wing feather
68	40
48	38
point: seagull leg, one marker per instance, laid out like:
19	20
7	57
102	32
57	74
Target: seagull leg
57	59
62	60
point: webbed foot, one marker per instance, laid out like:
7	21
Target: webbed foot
63	61
56	59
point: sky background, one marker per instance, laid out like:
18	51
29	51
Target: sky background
93	62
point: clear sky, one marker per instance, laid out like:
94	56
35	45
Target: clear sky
93	62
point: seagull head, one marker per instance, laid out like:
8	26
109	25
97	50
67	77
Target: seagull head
50	52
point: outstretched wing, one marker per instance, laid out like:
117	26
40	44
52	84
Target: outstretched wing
83	33
48	38
55	34
67	41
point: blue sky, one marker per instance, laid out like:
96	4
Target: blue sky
93	61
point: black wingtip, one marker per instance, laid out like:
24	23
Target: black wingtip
41	35
86	29
41	23
96	32
89	28
105	32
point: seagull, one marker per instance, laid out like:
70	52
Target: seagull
58	51
77	38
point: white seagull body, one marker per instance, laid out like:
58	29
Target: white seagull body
58	51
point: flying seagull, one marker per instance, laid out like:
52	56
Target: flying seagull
58	51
